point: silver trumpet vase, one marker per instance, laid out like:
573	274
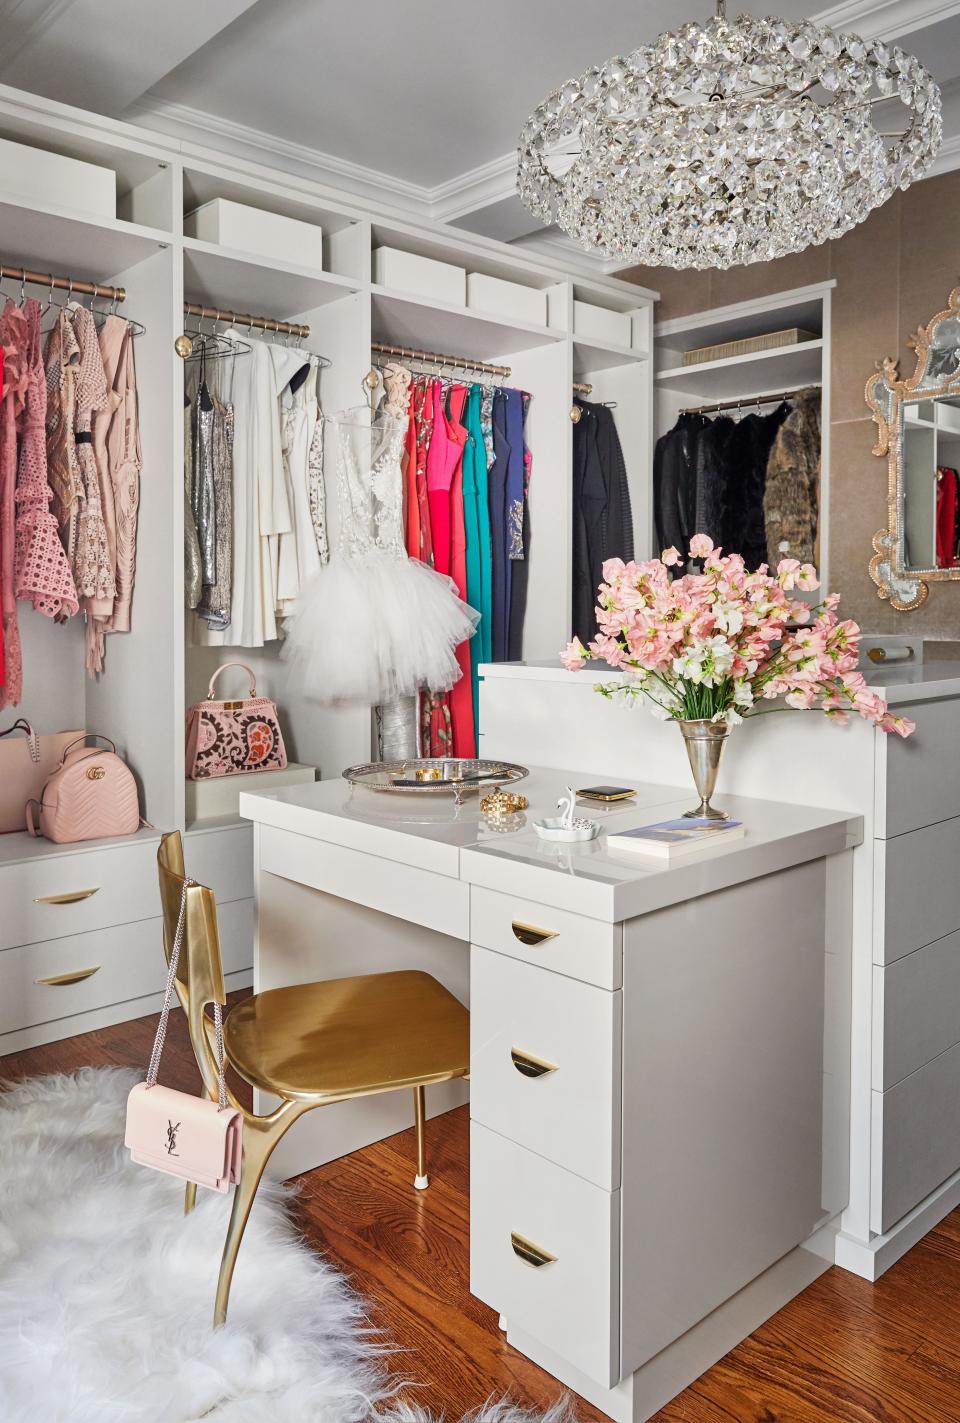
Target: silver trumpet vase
705	741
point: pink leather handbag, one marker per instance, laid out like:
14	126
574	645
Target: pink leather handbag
225	738
173	1131
91	794
25	766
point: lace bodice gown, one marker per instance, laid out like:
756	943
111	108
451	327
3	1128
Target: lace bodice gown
374	625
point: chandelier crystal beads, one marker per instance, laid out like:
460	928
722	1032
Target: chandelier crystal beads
729	142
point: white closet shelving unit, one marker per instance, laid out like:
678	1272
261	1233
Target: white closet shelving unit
103	944
747	377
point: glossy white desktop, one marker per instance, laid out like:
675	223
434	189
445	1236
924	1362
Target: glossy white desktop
674	1170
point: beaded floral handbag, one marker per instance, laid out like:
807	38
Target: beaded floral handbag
173	1131
226	738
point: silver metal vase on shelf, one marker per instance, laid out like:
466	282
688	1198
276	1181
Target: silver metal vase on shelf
705	741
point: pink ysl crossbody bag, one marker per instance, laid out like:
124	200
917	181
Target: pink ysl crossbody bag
225	738
176	1132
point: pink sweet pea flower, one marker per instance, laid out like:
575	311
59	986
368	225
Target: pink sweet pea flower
670	557
574	655
701	546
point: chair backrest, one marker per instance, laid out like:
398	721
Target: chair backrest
199	978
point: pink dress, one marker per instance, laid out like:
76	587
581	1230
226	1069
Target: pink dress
41	571
13	339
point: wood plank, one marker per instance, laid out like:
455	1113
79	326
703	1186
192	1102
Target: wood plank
845	1351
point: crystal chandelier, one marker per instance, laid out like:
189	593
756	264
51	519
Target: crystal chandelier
729	142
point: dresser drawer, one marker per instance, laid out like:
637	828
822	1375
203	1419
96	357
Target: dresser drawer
222	860
919	888
567	943
919	779
915	1138
85	971
916	1010
545	1064
56	895
544	1251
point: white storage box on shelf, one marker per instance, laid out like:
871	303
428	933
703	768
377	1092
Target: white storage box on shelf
596	323
35	175
249	229
219	797
510	299
406	272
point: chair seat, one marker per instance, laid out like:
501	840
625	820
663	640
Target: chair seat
349	1036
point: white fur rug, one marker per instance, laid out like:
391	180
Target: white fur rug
106	1289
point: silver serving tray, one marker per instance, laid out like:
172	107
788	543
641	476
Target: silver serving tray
456	773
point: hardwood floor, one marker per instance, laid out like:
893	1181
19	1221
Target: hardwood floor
844	1351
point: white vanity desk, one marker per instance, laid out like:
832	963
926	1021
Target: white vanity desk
688	1133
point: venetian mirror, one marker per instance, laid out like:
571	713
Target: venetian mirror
919	435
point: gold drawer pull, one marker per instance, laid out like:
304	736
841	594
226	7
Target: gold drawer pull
530	935
529	1066
72	897
530	1253
57	980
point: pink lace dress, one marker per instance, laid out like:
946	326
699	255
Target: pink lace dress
41	572
13	339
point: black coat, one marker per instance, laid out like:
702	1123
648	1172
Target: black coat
602	513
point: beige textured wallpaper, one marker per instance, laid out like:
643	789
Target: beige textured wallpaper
893	272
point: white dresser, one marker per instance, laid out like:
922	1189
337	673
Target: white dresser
659	1056
905	1005
81	943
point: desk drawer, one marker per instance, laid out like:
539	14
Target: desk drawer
102	967
567	943
524	1209
545	1064
919	780
95	889
423	897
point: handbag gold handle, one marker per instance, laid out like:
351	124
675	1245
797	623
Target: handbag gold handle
59	980
529	1066
73	896
530	935
530	1253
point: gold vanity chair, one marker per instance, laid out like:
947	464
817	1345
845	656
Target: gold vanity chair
310	1045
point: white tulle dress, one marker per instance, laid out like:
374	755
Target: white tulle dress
374	625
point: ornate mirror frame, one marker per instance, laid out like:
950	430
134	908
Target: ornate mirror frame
908	588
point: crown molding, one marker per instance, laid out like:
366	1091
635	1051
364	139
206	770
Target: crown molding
886	19
477	188
242	141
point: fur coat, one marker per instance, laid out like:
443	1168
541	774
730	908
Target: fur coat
792	495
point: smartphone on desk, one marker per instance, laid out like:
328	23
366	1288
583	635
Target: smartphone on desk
606	794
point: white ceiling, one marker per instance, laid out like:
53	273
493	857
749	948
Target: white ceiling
416	100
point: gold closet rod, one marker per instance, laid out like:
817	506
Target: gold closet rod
65	284
582	389
745	401
242	318
436	358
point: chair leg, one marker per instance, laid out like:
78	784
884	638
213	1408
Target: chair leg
421	1180
260	1136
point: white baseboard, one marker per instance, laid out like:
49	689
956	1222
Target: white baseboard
870	1259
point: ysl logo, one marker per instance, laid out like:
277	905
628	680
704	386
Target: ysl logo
172	1137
